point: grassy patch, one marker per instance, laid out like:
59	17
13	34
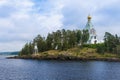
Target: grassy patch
77	53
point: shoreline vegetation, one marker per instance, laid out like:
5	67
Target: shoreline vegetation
77	54
71	45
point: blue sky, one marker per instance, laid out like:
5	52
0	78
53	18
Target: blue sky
22	20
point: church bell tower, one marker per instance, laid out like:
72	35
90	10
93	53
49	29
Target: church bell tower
92	32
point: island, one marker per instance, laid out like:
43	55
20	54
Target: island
73	45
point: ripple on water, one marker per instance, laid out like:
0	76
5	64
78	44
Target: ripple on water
20	69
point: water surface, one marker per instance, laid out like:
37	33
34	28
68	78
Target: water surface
20	69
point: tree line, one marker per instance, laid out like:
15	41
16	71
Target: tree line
59	40
111	44
66	39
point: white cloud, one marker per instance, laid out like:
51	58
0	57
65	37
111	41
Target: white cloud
22	20
3	2
25	23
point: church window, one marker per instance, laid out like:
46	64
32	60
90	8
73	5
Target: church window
94	37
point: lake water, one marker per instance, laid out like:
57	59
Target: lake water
20	69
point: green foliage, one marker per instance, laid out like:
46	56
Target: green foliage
111	42
27	49
91	45
118	49
60	40
66	39
101	48
41	43
85	36
78	36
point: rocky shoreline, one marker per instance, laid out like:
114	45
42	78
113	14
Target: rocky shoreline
76	54
65	58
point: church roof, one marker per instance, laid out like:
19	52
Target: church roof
89	17
89	25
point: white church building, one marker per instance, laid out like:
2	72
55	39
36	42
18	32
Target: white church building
92	32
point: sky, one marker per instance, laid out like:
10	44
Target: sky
23	20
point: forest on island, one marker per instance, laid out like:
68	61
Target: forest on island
59	40
66	39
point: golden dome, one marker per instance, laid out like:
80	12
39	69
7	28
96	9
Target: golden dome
89	17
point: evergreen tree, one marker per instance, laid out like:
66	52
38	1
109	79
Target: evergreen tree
49	41
111	42
60	40
41	43
78	36
85	36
